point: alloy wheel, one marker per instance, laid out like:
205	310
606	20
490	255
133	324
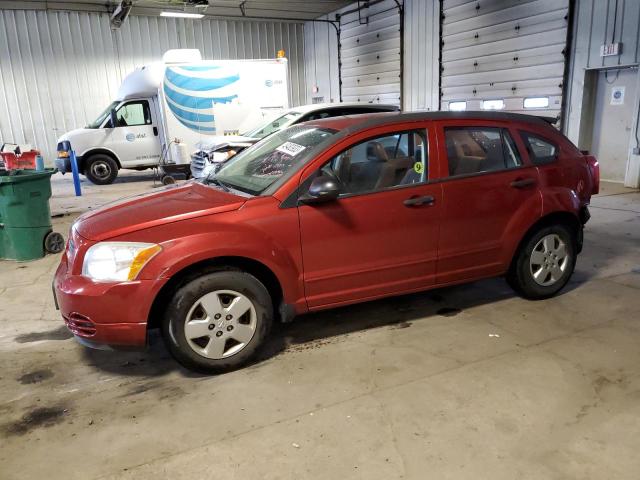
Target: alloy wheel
220	324
549	260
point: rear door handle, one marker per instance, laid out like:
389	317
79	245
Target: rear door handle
155	131
523	183
419	201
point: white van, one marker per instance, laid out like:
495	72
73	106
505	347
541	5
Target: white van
163	110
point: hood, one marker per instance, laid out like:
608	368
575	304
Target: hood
165	205
75	133
213	142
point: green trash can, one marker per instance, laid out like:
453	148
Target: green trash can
25	218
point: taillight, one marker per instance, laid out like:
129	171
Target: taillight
594	170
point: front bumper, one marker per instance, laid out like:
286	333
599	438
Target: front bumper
112	314
63	164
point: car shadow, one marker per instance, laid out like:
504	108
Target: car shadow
305	330
153	361
392	312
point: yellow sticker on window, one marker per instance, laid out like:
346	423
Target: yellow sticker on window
418	167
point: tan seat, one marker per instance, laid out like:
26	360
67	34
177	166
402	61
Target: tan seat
393	172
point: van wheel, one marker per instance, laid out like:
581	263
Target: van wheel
217	322
544	263
101	169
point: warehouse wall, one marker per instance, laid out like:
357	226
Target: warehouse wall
421	75
58	70
421	55
596	22
321	62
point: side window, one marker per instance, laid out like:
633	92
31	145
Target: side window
318	115
540	150
355	111
381	163
480	149
133	113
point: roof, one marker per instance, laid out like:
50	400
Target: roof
323	106
354	123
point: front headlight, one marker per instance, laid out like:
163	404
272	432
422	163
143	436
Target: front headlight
117	261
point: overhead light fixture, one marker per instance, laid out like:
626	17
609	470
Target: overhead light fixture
181	14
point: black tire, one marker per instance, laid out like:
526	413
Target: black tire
168	180
188	295
521	277
101	169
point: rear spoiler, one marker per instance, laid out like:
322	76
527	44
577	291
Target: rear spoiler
550	120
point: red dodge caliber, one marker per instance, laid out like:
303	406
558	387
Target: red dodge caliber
328	213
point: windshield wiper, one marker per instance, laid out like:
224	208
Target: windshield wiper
220	183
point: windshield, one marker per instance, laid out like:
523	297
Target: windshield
272	126
98	121
256	168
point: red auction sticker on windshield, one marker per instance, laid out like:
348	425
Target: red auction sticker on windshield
290	148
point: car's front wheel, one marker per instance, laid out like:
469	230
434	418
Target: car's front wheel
218	321
544	263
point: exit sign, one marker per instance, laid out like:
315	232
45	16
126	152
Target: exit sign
609	49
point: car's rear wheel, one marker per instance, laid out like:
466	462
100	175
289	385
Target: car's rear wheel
544	263
101	169
218	321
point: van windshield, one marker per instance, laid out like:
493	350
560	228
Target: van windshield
98	121
255	169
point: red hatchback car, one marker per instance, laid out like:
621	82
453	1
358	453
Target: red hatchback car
328	213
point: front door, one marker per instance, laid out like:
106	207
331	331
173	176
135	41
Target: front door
490	194
135	137
381	236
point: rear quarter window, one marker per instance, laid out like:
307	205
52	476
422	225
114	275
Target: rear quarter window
541	150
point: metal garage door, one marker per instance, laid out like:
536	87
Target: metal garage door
370	54
504	54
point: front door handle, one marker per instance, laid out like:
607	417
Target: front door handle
523	182
419	201
155	131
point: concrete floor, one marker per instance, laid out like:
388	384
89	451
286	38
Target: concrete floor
457	383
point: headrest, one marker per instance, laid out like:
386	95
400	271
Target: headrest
376	152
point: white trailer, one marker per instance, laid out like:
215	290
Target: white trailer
163	111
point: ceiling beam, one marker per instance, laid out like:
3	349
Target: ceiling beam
296	13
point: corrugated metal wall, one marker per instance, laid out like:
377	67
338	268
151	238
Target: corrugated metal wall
58	70
321	62
421	38
370	41
421	55
504	51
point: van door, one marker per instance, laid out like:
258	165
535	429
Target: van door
135	138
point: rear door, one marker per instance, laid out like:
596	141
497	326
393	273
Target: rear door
380	236
491	196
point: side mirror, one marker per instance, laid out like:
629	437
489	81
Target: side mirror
114	118
322	189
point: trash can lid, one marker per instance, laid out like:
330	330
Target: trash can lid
17	176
